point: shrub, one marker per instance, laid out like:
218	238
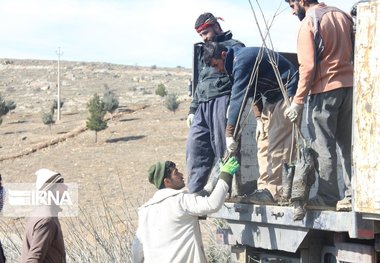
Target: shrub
172	102
47	119
111	103
161	90
5	107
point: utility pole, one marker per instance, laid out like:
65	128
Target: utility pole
59	54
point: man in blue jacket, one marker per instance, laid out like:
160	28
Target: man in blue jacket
207	116
273	131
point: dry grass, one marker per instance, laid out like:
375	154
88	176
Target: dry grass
104	233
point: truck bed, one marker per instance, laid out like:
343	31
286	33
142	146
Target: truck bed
270	226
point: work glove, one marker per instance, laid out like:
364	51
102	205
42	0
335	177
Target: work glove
189	120
231	166
259	128
231	144
294	111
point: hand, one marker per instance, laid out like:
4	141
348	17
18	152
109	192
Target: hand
259	128
294	111
231	166
231	144
189	120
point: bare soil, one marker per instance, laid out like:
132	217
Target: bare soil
141	133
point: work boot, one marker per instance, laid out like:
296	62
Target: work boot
261	197
299	210
344	205
287	181
318	203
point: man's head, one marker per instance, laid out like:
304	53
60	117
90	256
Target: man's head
166	175
214	55
48	180
299	7
207	26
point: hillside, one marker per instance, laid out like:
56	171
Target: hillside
112	170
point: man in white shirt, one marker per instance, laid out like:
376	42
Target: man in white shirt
168	228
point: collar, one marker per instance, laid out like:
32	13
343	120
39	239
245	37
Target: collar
228	63
223	37
163	194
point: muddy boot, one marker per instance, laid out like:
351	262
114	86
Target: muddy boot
344	205
260	197
299	210
287	181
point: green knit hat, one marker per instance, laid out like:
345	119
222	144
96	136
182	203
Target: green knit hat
156	174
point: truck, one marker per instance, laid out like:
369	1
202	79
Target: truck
268	233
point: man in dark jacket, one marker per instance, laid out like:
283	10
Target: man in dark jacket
274	132
207	116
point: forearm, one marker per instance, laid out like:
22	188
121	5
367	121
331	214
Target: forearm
203	205
216	199
194	104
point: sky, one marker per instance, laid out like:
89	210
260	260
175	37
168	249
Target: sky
136	32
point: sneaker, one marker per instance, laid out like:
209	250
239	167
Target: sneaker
261	197
318	203
344	205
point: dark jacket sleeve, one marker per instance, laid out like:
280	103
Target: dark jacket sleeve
2	256
241	75
194	103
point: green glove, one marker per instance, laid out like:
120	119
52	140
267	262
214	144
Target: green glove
231	166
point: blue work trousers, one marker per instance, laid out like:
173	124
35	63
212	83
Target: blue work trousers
330	126
206	142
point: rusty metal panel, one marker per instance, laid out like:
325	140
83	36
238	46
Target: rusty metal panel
366	116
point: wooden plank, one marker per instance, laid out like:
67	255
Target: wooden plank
366	116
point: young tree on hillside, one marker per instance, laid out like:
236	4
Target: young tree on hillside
96	120
111	103
5	107
161	90
47	119
171	102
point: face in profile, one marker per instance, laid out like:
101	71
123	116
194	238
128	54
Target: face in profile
217	64
175	180
297	9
